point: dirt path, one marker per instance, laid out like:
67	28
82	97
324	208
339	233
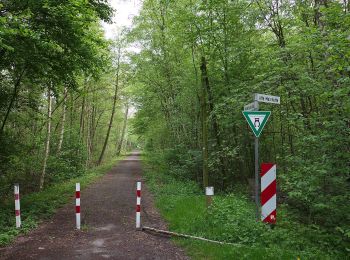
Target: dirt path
108	219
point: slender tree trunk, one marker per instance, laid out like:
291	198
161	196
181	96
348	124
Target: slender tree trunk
48	137
71	111
109	126
13	98
81	127
113	111
88	139
92	132
63	121
120	143
204	124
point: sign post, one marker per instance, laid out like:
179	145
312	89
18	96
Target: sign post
256	153
257	120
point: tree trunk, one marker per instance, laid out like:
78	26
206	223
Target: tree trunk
81	127
120	143
113	110
63	121
48	136
204	123
92	126
13	98
88	139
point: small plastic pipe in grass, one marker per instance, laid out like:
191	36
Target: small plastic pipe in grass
209	192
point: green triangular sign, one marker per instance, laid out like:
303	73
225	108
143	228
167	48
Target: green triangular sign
257	120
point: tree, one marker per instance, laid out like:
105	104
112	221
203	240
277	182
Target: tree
115	97
296	50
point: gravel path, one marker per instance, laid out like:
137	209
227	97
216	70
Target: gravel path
108	219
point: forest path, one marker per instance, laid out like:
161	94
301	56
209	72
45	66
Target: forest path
108	221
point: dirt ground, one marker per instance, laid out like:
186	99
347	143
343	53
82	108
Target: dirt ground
108	224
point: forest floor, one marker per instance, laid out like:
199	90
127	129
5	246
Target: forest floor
108	224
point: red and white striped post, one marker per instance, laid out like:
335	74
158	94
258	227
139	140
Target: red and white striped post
77	204
17	206
138	205
268	193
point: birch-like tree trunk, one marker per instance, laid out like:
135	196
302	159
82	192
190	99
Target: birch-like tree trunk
113	109
63	121
81	125
88	138
48	137
121	140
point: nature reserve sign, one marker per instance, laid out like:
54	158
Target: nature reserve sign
257	120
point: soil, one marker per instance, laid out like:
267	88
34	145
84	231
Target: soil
108	224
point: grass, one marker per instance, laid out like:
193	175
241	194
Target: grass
38	206
185	215
231	218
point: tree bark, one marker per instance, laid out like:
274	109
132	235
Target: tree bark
113	110
48	137
120	143
81	127
204	123
14	96
88	138
63	121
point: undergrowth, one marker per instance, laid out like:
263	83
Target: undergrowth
41	205
231	218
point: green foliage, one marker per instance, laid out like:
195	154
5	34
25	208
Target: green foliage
38	206
231	219
69	163
57	81
56	49
298	50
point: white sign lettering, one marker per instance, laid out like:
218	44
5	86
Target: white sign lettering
267	98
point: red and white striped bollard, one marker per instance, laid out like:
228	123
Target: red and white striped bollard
138	205
77	204
268	193
17	206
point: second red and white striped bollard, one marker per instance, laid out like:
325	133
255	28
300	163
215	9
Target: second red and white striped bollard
17	206
77	204
138	206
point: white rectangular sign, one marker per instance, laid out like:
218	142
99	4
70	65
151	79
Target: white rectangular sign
209	191
249	107
254	106
267	98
